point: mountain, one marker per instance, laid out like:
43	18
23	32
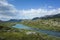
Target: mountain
48	17
48	22
36	18
14	20
1	21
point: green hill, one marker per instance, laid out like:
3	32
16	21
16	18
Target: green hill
7	32
51	22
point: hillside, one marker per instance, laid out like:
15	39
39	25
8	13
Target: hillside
51	22
11	33
48	17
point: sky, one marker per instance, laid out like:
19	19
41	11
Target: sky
28	9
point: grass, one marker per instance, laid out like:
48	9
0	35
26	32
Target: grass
7	32
45	24
23	36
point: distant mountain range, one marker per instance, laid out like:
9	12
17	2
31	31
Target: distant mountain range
1	21
48	17
14	20
45	17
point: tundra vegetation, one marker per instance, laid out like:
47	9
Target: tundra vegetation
45	24
7	32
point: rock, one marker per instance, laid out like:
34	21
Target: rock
30	33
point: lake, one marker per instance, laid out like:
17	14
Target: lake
52	33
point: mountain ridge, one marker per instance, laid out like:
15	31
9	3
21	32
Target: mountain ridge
48	17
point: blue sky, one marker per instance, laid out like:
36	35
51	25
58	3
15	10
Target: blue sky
27	4
28	9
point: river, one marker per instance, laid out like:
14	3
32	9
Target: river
52	33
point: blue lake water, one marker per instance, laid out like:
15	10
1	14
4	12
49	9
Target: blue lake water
52	33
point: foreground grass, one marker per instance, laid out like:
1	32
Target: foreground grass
24	36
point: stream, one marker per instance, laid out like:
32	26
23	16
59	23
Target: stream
52	33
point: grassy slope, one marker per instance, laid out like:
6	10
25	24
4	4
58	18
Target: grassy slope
45	24
17	34
23	36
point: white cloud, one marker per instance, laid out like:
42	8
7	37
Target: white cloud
50	6
32	13
8	11
38	12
